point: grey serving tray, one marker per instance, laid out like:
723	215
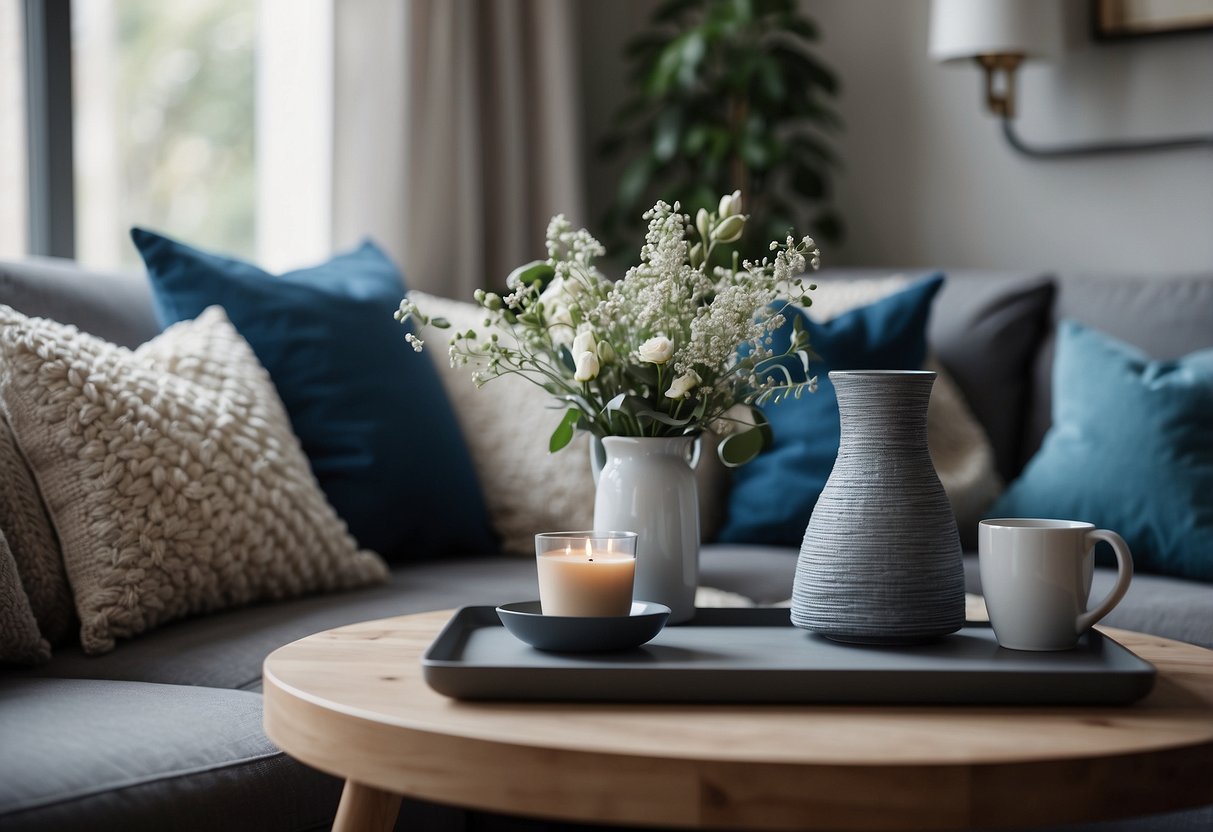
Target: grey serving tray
757	656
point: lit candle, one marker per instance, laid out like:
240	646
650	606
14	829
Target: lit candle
589	576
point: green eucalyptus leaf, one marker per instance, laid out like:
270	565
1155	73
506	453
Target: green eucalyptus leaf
535	271
440	323
626	403
566	358
563	434
663	418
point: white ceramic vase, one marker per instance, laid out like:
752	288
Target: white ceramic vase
881	560
647	485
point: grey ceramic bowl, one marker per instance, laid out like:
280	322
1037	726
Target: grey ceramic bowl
573	634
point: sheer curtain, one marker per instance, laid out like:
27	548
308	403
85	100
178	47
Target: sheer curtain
456	133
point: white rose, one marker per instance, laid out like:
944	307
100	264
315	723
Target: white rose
683	385
656	350
584	342
587	366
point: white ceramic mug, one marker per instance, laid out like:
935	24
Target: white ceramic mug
1036	578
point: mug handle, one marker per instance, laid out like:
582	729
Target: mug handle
1124	566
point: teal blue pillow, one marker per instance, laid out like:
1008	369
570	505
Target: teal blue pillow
772	497
371	415
1130	449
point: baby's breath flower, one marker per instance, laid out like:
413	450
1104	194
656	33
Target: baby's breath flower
674	327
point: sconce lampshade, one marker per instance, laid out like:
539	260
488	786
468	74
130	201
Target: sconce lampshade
965	29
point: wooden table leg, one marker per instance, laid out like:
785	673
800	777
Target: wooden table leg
365	809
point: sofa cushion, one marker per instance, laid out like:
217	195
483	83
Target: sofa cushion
113	306
1130	449
985	328
773	496
20	640
171	474
226	650
1166	316
129	755
31	537
373	418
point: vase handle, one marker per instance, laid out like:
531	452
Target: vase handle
693	454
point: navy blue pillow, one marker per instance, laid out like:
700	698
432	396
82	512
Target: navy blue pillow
1130	449
371	414
772	497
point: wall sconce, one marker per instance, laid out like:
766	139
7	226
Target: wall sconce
999	35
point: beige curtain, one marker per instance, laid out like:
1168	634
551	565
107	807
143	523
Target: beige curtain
457	133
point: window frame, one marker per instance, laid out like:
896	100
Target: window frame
48	103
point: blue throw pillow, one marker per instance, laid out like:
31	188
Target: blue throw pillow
772	497
372	416
1130	449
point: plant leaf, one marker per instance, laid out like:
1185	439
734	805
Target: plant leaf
563	434
739	448
664	418
528	273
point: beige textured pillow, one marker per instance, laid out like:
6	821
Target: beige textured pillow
20	641
171	474
32	540
963	456
506	424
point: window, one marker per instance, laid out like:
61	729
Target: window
209	120
14	196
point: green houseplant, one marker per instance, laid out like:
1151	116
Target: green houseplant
728	96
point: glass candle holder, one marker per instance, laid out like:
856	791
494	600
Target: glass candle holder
586	573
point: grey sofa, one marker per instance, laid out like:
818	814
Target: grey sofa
165	731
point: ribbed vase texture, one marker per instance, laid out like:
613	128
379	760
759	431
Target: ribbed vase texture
647	486
881	558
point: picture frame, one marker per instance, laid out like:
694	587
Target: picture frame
1114	19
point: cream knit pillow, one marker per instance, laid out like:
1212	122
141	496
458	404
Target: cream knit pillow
171	474
31	538
20	641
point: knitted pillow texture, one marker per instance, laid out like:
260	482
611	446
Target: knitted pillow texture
20	641
506	424
171	474
31	537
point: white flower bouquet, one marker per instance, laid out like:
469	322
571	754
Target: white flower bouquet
676	347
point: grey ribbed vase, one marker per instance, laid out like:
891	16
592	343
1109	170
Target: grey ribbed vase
881	559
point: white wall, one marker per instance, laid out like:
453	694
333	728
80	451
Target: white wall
929	179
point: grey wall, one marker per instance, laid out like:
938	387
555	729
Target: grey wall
929	180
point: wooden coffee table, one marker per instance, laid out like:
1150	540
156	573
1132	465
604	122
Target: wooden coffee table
353	702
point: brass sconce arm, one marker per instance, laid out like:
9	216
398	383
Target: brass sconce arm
1000	71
